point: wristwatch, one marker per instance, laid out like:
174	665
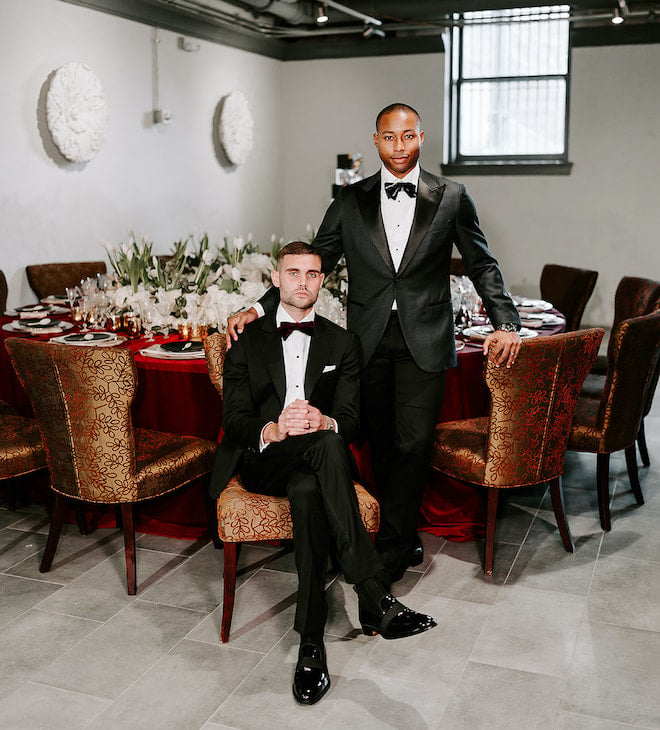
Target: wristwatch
509	327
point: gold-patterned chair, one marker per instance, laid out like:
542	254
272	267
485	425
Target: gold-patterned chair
82	400
634	297
569	289
611	423
243	516
21	450
522	442
47	279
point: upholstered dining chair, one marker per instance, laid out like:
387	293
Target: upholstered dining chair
611	423
21	450
522	442
569	289
634	297
47	279
82	400
243	516
3	292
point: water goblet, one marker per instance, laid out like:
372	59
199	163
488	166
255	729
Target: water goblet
149	315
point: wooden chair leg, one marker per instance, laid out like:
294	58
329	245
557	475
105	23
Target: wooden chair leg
231	559
129	547
603	488
491	518
557	496
56	522
81	519
641	443
633	473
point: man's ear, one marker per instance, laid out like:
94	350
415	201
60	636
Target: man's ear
275	278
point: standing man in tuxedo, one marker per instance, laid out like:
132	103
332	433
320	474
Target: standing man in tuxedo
397	229
290	410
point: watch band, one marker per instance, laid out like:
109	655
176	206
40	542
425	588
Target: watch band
509	327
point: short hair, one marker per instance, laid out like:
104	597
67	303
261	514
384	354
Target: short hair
398	106
296	248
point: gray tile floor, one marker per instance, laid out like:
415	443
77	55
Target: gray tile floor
552	640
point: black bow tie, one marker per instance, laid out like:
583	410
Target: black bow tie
392	189
286	328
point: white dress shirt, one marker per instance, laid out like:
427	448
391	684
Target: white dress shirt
296	351
397	214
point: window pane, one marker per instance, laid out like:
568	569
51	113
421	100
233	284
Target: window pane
519	47
512	117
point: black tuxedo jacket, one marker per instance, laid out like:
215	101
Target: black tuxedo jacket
444	215
254	387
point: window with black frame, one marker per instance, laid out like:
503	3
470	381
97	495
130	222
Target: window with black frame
507	95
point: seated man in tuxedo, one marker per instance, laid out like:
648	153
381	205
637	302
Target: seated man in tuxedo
290	409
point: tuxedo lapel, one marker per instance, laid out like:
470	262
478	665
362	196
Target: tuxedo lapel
368	200
319	349
429	195
273	357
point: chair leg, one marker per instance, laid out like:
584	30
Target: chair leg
603	488
81	519
491	517
231	558
633	474
557	496
641	443
56	523
129	547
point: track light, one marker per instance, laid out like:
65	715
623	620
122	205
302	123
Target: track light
371	31
321	14
617	18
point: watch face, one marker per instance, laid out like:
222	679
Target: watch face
236	128
76	112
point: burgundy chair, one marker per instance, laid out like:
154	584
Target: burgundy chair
82	399
47	279
522	442
611	423
568	289
457	267
634	297
243	516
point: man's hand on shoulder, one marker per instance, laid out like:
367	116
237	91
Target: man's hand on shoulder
502	347
237	322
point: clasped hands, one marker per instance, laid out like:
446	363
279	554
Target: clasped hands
297	419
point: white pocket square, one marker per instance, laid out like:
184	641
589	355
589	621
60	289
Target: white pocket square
329	368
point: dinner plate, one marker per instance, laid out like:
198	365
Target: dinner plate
54	327
55	299
480	333
190	353
30	311
533	305
90	339
545	319
181	346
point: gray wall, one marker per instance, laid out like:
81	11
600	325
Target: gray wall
166	181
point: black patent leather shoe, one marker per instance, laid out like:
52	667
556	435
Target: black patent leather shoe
310	679
394	620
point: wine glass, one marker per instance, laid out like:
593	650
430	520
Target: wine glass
72	295
86	308
149	315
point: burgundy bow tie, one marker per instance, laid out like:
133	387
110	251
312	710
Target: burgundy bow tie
286	328
393	189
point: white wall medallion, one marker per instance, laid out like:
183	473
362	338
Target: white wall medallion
76	112
236	128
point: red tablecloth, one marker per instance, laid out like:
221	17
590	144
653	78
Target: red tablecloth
178	397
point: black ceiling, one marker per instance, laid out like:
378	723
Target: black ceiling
286	29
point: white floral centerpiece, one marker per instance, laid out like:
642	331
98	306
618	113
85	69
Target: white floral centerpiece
200	284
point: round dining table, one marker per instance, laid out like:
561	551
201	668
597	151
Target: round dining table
177	396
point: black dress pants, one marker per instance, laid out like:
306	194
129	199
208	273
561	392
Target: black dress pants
314	471
401	404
